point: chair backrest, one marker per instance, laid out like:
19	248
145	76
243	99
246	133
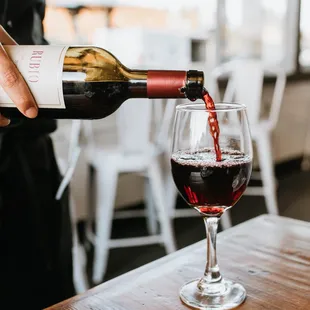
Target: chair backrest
67	150
134	124
245	86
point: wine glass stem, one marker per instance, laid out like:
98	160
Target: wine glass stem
211	282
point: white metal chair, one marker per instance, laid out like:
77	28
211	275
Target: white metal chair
67	149
245	86
132	152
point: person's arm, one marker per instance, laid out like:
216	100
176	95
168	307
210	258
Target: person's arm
13	83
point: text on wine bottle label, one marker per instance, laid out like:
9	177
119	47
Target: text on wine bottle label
41	66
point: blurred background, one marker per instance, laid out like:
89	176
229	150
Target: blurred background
196	34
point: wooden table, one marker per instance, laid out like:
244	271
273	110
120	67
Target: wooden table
269	255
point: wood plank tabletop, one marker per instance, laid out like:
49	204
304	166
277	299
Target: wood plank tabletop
268	255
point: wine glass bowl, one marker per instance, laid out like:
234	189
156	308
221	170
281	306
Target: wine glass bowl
211	186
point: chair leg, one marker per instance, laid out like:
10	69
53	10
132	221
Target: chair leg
226	220
172	194
264	151
79	268
106	185
90	217
151	216
157	187
81	284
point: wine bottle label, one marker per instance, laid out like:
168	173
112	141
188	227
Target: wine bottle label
41	66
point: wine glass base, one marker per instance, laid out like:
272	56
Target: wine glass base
232	296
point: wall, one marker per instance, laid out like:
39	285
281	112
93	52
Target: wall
289	138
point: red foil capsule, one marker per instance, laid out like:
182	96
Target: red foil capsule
166	84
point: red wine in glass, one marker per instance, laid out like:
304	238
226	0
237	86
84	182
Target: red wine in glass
208	185
211	180
213	123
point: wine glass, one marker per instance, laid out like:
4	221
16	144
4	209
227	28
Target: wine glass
211	187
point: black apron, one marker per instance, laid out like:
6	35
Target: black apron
35	229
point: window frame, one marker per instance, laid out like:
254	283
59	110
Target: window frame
299	74
292	46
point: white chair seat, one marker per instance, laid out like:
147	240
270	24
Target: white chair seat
125	162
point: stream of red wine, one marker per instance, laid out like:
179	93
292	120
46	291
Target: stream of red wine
213	123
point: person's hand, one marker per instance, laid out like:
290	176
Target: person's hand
13	83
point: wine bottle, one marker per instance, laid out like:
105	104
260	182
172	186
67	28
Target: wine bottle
85	82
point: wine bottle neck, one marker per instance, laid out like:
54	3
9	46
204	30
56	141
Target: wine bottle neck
166	84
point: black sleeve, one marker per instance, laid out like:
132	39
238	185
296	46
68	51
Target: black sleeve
23	20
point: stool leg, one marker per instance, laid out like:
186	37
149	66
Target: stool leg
78	255
172	194
106	186
157	187
264	151
151	214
